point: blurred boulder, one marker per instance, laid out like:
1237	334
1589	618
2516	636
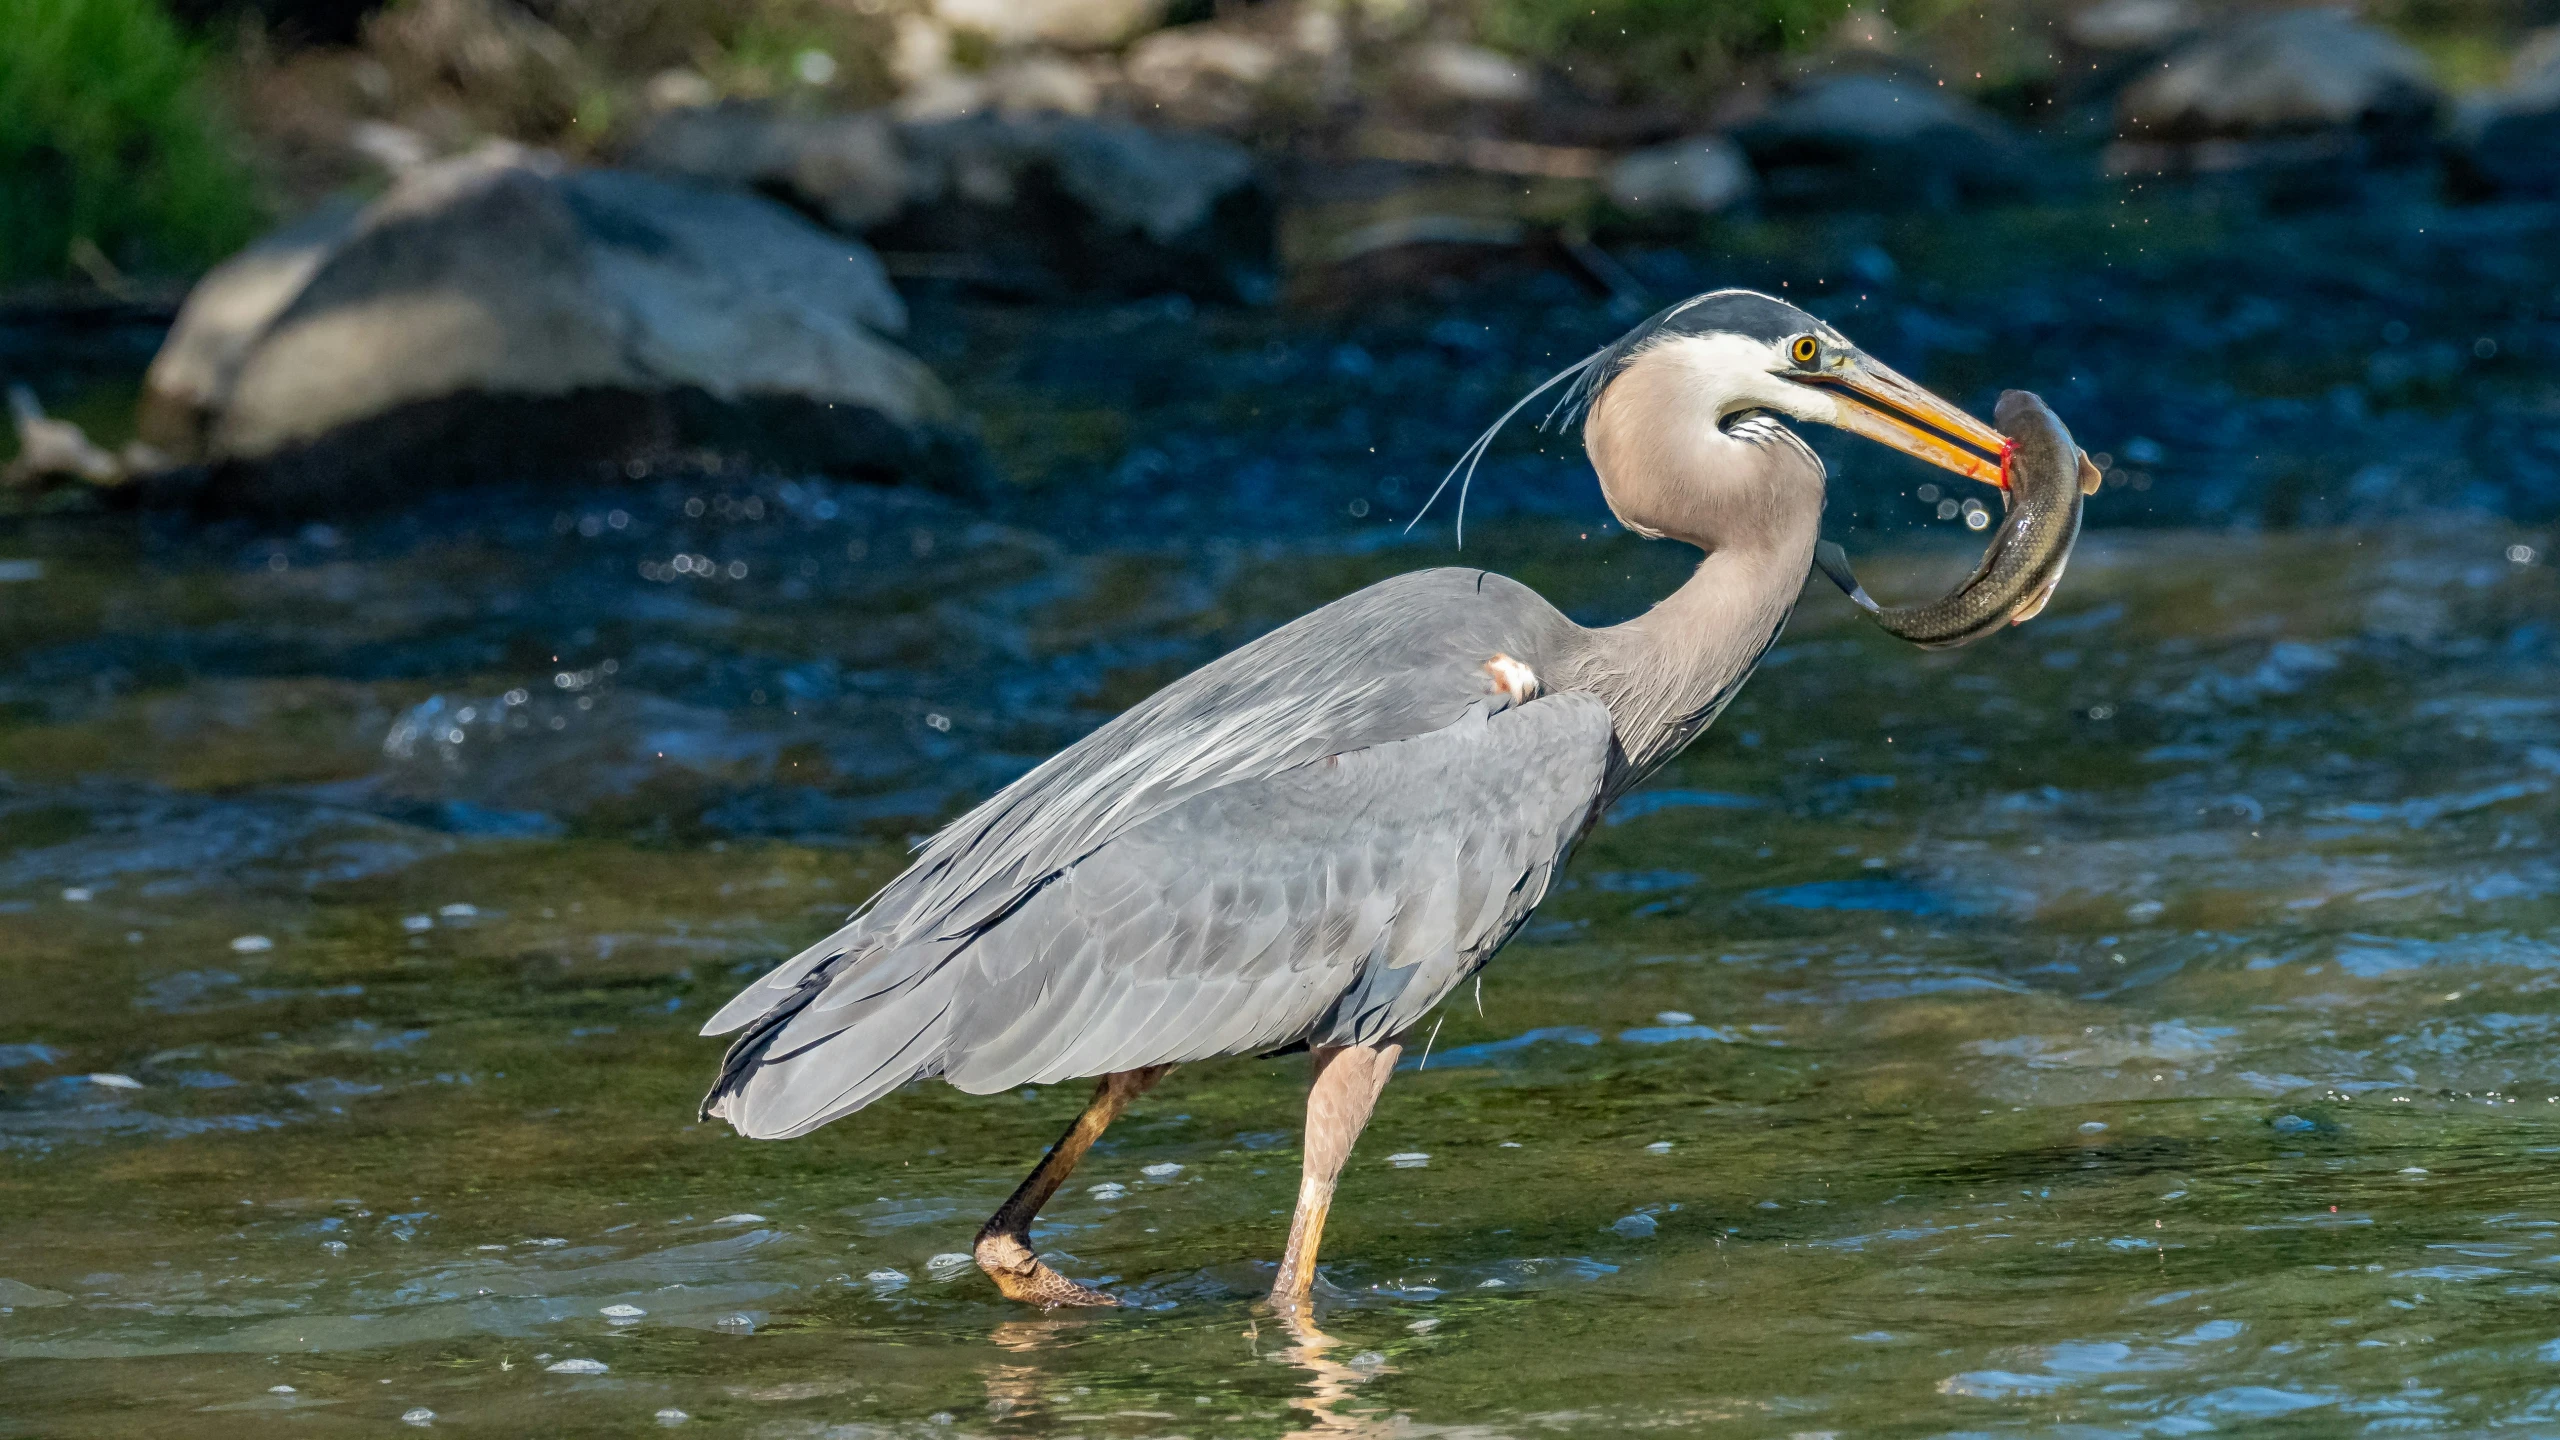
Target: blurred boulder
2115	26
500	59
1280	63
498	316
1203	74
1050	84
1029	203
1879	142
1054	203
1450	72
2533	77
1066	24
1700	175
679	88
1861	28
2508	142
846	169
2294	86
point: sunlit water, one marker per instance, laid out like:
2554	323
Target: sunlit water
2136	1024
2140	1023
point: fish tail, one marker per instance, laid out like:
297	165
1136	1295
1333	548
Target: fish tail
1834	562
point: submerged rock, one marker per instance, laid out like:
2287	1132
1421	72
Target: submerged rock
1879	141
2297	86
497	315
1031	203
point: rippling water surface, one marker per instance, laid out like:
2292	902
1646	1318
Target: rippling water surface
2140	1023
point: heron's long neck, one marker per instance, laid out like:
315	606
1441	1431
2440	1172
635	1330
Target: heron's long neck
1667	673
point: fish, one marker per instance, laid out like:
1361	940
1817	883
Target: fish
2044	478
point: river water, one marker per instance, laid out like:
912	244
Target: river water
2140	1023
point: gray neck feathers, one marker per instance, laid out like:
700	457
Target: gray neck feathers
1750	496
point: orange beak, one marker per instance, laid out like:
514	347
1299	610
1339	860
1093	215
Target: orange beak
1880	405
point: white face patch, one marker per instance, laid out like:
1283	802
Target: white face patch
1512	680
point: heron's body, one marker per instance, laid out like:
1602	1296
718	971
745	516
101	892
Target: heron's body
1310	841
1333	827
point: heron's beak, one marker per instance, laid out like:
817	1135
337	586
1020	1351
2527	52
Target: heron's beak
1884	407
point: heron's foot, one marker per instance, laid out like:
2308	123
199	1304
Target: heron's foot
1022	1275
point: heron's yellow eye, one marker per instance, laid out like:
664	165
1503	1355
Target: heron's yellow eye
1804	351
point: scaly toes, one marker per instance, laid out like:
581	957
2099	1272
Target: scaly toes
1022	1275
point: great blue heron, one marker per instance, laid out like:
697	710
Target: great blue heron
1315	839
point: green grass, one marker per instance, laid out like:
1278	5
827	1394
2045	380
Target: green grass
108	140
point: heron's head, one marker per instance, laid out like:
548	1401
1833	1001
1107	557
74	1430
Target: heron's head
1670	406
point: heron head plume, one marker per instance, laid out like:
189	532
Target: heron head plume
1679	410
1680	415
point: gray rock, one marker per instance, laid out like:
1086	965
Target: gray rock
493	55
1209	74
2131	25
498	315
847	169
1067	24
2297	84
2508	142
1877	142
1469	74
1026	203
1700	175
2533	77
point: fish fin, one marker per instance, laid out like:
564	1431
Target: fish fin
2090	479
2035	603
1834	562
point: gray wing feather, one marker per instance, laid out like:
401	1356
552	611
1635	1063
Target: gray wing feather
1382	877
795	1091
1398	659
1314	838
1422	856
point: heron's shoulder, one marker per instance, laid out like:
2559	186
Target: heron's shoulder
1464	583
1448	599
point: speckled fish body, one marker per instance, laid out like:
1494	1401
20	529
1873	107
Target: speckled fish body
2047	478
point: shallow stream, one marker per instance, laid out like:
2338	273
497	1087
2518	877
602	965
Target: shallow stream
2140	1023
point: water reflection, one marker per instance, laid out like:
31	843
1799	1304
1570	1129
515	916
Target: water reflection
1334	1372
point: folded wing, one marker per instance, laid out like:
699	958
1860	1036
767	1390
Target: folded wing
1336	900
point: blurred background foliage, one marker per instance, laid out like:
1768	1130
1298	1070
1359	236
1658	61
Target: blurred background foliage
113	156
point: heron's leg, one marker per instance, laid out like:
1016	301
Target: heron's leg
1003	1248
1347	1081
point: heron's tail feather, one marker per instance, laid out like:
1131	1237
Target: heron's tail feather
1834	562
836	1043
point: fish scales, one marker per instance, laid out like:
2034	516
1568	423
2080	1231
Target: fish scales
2046	479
